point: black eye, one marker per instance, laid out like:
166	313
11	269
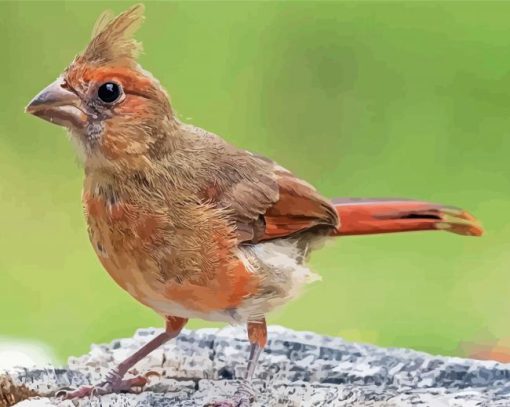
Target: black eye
109	92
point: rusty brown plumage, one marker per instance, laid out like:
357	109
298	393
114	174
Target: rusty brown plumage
188	224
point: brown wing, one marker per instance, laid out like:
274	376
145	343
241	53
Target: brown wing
299	207
269	202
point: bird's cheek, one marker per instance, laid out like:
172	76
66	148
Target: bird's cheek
113	147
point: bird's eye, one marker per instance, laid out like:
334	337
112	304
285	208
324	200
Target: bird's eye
109	92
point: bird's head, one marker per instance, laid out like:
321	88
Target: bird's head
116	112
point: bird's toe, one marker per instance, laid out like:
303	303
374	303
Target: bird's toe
111	385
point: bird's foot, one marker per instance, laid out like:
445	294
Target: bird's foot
113	384
243	397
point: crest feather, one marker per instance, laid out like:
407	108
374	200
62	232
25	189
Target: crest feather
102	21
112	37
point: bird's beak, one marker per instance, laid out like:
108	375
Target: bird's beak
58	105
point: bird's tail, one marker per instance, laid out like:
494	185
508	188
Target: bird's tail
372	216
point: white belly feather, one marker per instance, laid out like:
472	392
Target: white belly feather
281	266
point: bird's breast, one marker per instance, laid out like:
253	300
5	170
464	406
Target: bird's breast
181	264
123	237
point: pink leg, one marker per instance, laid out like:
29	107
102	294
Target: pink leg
257	335
114	382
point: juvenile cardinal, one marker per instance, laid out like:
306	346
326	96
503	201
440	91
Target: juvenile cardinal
186	223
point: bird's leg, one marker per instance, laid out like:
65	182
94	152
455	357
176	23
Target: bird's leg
257	335
173	326
114	382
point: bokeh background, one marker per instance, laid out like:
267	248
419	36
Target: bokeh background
407	99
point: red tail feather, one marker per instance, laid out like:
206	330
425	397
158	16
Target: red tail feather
371	216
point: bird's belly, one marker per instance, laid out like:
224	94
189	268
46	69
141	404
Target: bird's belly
141	284
215	280
156	267
273	265
280	266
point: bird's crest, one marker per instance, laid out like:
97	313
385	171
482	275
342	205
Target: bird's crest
112	37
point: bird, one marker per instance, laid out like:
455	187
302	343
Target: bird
188	224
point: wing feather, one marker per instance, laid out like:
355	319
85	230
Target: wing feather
299	208
271	203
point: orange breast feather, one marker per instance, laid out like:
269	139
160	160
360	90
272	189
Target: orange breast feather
131	238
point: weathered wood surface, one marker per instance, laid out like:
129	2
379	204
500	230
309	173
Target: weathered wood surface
297	369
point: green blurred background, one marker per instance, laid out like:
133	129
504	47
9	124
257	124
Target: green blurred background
406	99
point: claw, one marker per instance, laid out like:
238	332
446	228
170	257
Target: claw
69	394
243	397
113	384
